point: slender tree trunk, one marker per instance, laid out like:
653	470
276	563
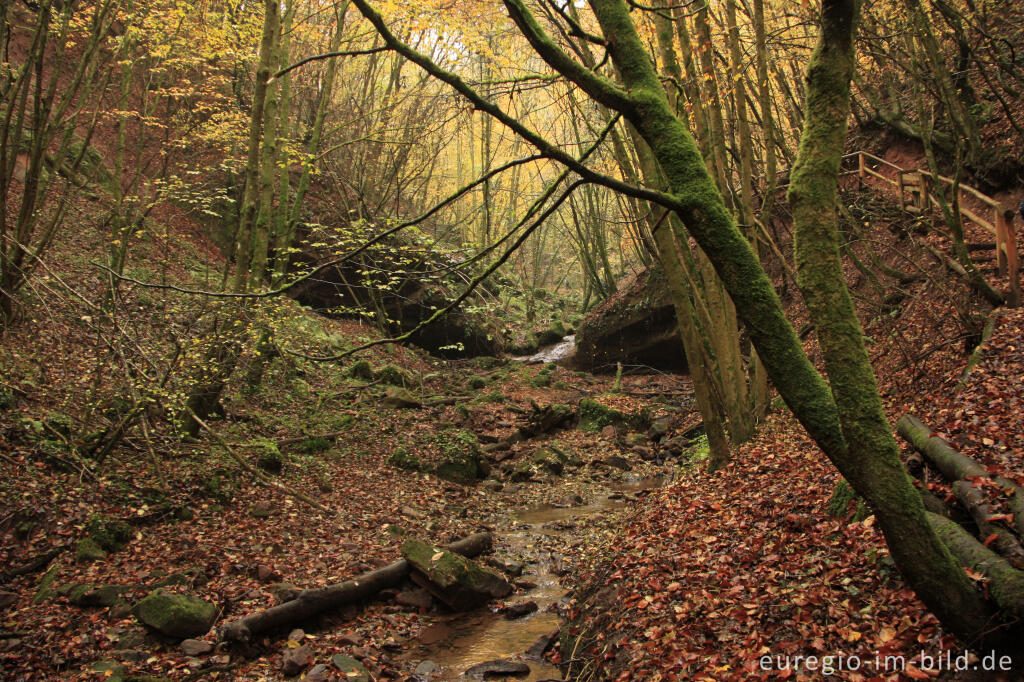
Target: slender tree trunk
870	460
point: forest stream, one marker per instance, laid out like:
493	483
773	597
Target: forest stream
538	536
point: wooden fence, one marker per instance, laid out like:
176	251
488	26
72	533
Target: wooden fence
918	184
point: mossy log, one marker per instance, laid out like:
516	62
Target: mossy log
974	501
956	466
1007	583
312	602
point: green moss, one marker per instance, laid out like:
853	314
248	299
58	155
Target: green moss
268	455
394	376
176	615
7	400
476	383
542	380
110	534
361	369
44	590
403	459
594	416
460	453
493	397
560	386
87	551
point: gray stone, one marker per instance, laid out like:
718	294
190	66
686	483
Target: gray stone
296	660
195	647
417	599
427	669
351	669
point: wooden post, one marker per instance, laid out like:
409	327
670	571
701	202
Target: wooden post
1012	259
923	197
861	166
900	190
1002	239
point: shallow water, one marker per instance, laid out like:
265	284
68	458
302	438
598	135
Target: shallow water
457	642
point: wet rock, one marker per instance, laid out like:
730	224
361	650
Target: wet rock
636	439
498	668
350	669
297	635
417	599
456	581
518	610
540	647
195	647
176	615
645	453
427	669
525	585
636	326
508	567
296	660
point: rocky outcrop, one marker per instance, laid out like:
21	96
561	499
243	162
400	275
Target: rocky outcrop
637	326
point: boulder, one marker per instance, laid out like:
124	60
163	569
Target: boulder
455	580
176	615
636	326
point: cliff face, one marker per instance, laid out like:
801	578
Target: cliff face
637	326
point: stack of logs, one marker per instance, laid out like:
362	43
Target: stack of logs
980	534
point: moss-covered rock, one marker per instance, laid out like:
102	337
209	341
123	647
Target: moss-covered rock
476	383
541	380
460	456
94	596
350	669
394	376
594	416
268	455
455	580
110	534
87	550
361	369
45	590
403	459
176	615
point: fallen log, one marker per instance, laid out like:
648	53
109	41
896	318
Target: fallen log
1007	583
974	501
956	466
312	602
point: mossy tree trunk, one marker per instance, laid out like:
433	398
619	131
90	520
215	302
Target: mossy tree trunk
859	444
870	460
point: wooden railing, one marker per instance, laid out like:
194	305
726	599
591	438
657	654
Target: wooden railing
918	184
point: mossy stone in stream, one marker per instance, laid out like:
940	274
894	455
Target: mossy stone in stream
455	580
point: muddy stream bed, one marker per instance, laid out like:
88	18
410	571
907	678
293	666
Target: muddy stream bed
537	536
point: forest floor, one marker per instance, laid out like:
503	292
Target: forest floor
675	573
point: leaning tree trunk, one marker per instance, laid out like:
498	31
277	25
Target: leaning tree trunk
870	461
